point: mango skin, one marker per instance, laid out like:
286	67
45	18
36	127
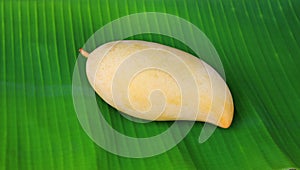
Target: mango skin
215	101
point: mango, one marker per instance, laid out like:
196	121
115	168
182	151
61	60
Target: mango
142	79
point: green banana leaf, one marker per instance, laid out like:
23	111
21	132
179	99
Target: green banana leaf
258	42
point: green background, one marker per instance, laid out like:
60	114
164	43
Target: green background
258	42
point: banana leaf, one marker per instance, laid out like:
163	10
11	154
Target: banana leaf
258	43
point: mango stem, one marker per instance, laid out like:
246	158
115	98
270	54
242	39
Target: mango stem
84	53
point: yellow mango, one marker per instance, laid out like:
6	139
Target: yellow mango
110	69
